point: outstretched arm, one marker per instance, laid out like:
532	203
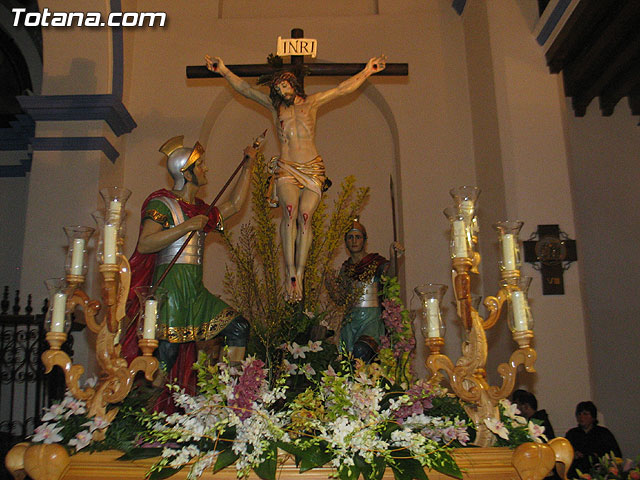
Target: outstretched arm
215	64
238	195
154	238
374	65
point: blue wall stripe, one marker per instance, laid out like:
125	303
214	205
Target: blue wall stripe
458	5
552	21
60	144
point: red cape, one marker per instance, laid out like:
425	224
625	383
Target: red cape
142	267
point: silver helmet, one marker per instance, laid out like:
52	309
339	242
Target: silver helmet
179	158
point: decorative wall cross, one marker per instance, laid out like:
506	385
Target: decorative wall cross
551	251
315	69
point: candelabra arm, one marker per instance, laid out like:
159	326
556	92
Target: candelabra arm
72	373
464	378
89	308
494	308
523	356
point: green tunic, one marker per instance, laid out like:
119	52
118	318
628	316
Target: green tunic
191	312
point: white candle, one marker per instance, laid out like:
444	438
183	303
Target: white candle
110	241
77	256
459	239
149	326
519	305
433	317
115	209
58	314
508	251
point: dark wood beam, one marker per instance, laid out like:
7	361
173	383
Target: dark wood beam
315	69
618	31
580	25
617	64
624	83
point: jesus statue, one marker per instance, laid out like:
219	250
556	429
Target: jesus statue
300	174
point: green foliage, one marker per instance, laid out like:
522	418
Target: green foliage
254	282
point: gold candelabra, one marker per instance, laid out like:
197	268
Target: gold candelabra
468	377
67	295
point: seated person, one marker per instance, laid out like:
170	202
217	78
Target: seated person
528	406
590	441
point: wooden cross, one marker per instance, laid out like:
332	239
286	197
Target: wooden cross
550	253
315	69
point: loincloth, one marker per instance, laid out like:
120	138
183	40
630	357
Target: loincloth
310	175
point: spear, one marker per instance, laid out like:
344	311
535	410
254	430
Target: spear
393	219
257	144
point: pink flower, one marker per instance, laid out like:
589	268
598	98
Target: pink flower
247	390
634	475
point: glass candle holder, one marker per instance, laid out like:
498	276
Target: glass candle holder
465	199
99	217
151	300
508	232
430	295
115	199
520	318
58	317
76	261
460	245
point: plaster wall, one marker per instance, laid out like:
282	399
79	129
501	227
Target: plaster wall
605	178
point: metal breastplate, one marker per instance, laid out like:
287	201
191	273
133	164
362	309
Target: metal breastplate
369	296
193	252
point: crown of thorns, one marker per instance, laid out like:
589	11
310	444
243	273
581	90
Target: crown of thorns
293	72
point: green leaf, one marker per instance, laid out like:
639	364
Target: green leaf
408	469
138	453
267	469
313	457
371	472
448	466
292	449
225	458
351	472
165	472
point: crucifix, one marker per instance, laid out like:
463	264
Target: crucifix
299	174
547	253
313	69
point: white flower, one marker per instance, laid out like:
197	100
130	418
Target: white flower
497	427
308	370
53	413
297	351
81	440
74	407
47	433
510	409
290	368
315	346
